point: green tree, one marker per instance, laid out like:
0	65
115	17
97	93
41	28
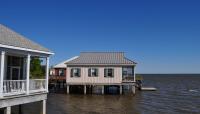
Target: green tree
36	70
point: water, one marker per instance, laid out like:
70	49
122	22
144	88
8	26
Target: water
177	94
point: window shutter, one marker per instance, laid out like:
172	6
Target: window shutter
79	72
105	72
97	71
112	72
89	72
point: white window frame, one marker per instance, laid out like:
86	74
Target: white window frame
91	75
73	74
113	73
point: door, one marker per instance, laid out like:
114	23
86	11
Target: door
15	73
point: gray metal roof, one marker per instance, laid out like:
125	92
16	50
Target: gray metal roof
11	38
101	58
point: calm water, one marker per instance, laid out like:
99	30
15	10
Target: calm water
177	94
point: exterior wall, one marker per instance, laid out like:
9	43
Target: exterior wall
95	80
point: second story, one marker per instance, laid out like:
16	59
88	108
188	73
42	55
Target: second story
100	68
24	65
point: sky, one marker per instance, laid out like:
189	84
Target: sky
162	36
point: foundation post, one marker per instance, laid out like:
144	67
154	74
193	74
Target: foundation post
133	89
44	107
67	89
85	89
7	110
102	90
120	89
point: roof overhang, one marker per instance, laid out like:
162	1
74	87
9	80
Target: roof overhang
25	49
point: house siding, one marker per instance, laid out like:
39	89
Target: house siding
95	80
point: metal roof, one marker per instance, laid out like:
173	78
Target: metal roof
101	58
10	38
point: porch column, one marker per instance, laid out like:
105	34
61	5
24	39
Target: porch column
133	87
28	73
2	72
7	110
44	106
47	74
134	74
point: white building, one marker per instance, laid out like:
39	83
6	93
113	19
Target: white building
101	69
16	86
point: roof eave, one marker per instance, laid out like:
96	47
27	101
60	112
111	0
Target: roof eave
26	49
70	64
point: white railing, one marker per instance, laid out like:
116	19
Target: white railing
37	85
128	78
14	87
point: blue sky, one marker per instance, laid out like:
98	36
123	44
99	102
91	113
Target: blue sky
162	36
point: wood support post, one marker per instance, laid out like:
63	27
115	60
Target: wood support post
85	89
120	89
102	89
133	89
7	110
44	107
67	89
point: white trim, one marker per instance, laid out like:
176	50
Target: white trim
25	49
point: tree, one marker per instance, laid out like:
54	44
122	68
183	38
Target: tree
36	70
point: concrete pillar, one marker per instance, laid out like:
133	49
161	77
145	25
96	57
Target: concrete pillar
44	107
47	74
85	89
28	73
102	89
2	72
67	89
120	89
7	110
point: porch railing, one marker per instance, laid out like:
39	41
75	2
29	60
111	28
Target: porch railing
128	78
14	87
37	85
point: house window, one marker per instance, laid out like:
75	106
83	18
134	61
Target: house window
75	72
92	72
128	71
61	72
108	72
